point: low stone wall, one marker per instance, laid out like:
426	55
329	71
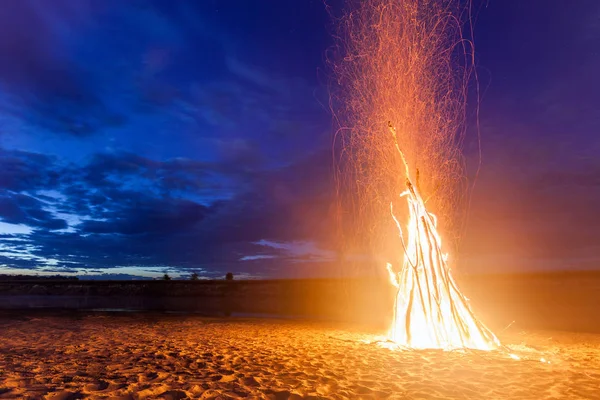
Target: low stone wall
557	301
367	301
567	301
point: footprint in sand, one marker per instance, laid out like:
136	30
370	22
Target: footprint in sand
250	381
96	386
65	395
174	395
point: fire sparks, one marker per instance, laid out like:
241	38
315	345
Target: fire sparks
405	69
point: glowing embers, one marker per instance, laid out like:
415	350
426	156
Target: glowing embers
430	311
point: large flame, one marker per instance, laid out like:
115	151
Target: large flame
405	66
430	310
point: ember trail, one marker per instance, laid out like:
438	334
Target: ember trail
403	75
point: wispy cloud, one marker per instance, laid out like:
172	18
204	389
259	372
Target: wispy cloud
299	250
258	257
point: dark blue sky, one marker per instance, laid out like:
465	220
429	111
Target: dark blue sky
148	136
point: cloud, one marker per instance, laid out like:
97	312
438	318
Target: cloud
299	250
7	231
129	210
19	209
42	84
161	217
21	170
154	139
258	257
77	74
271	109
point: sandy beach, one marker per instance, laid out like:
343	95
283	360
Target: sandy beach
158	356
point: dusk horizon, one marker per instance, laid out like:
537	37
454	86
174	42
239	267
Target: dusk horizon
144	139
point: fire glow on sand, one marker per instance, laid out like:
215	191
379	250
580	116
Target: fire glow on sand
404	76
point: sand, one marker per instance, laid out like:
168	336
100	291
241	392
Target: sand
134	356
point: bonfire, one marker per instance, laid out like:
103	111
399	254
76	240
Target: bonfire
404	76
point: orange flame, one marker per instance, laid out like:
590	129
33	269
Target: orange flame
430	310
405	64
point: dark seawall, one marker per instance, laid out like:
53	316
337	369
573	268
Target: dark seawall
363	301
562	301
